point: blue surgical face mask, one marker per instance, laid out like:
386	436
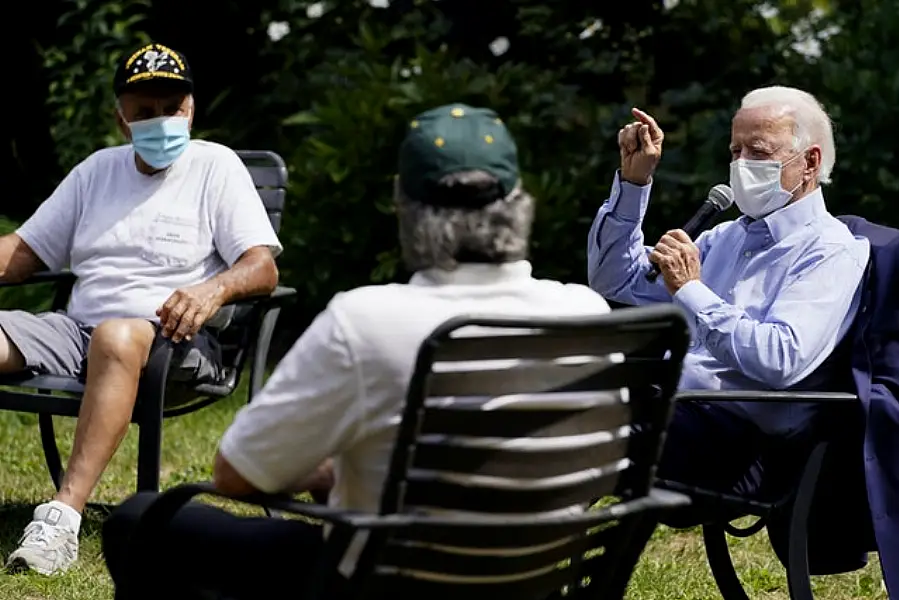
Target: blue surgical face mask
160	141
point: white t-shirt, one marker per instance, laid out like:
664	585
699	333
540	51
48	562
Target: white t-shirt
340	390
133	239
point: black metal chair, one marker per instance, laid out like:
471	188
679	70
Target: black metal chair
787	515
248	334
511	428
792	508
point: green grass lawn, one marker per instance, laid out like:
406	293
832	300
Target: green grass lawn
673	567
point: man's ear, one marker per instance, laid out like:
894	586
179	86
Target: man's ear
193	111
812	162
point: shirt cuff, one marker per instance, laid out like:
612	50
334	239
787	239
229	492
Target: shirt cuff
695	297
629	201
246	467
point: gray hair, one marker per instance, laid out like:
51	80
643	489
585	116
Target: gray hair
811	124
444	237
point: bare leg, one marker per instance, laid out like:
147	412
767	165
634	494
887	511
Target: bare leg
118	352
11	360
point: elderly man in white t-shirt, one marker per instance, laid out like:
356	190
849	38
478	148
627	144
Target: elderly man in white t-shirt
160	233
464	225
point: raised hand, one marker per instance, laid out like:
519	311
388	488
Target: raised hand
640	144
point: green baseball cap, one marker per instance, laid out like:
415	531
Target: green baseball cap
454	138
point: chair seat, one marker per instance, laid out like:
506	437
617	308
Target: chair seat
53	383
73	385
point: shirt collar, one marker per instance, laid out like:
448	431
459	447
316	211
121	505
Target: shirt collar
474	274
784	222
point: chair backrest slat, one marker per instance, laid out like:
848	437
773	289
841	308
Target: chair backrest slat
511	376
435	492
531	415
488	344
527	422
273	199
496	564
491	463
534	584
269	175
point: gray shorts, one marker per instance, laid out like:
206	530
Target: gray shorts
53	343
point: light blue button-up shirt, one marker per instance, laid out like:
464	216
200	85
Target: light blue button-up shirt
775	298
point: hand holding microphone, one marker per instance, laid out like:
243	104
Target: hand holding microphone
675	256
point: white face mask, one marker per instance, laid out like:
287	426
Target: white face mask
756	185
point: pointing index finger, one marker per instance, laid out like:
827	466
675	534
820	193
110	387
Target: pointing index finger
645	118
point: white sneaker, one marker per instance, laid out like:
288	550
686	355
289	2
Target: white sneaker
49	544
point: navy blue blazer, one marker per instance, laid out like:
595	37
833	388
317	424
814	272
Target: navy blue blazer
875	370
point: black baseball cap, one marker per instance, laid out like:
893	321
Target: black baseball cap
153	62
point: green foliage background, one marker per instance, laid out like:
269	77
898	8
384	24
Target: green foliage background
334	94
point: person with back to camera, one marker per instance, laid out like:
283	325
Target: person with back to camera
329	414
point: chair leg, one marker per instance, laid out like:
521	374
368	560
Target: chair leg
718	555
51	449
149	454
149	407
257	372
260	352
798	576
635	544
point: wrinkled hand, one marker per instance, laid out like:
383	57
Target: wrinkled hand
678	260
187	309
640	144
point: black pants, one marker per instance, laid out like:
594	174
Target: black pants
710	447
206	552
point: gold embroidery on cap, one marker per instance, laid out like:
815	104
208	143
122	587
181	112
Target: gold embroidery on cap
152	75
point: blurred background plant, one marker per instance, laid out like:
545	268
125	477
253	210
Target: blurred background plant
332	85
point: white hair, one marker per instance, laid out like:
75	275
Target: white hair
811	124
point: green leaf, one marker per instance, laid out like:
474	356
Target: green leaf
303	117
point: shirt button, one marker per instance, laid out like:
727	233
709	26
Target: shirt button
747	254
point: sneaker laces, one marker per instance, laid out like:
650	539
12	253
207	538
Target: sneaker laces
38	533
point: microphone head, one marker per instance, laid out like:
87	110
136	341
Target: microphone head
721	196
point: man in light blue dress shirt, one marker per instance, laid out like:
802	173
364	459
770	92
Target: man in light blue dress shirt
768	296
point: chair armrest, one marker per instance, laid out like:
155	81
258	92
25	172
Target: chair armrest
764	396
280	295
667	499
168	503
41	277
713	499
153	380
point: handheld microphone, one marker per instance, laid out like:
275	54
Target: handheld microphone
720	198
